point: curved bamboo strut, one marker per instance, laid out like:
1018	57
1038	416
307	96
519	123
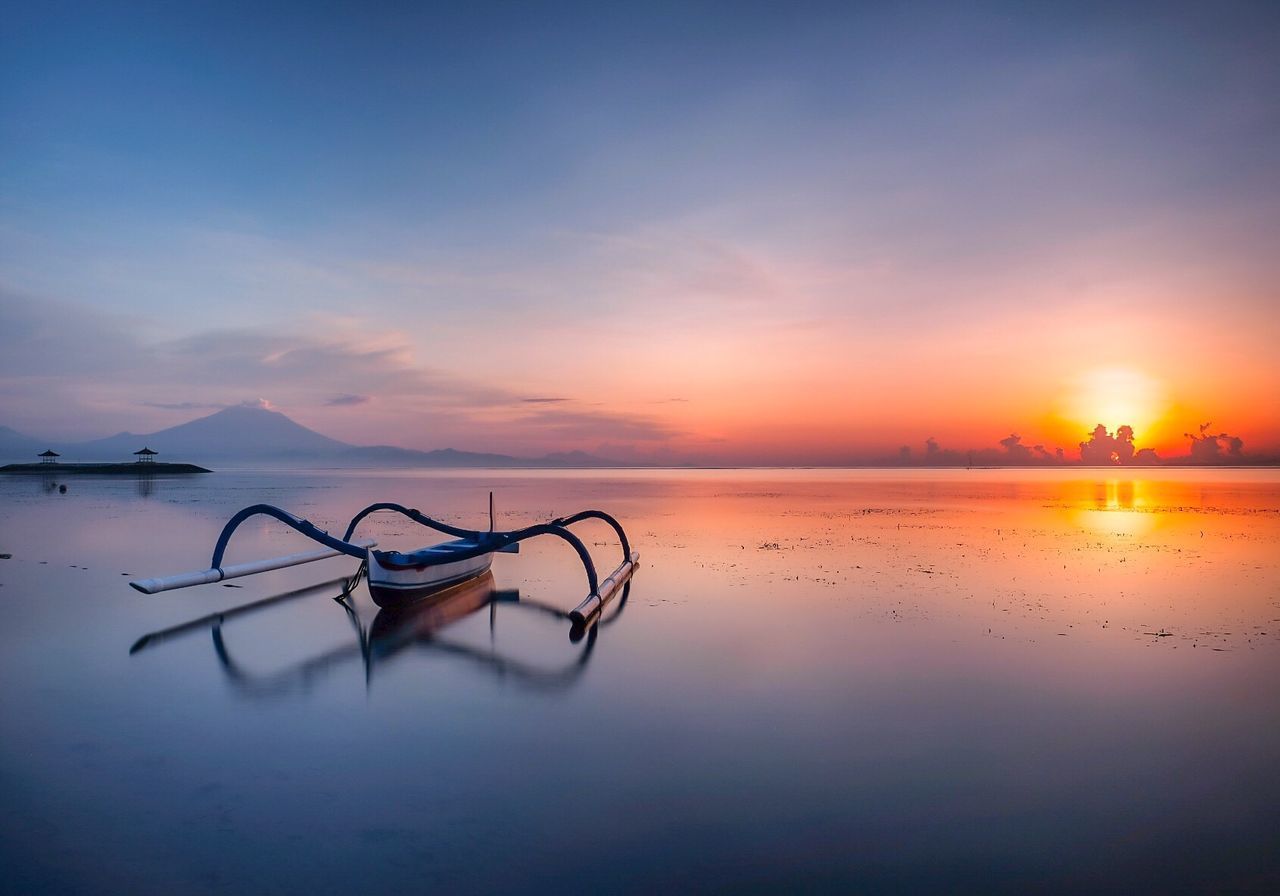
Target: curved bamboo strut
307	528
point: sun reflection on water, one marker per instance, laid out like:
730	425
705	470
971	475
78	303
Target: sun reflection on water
1118	507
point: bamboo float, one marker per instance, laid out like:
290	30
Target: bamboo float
218	574
596	602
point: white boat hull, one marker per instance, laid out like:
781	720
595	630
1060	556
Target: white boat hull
391	587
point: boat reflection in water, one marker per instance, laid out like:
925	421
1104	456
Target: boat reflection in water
421	626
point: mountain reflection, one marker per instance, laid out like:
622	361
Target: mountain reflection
421	628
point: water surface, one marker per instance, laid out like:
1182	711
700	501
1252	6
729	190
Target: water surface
820	680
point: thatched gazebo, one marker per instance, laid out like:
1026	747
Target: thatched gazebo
146	456
49	456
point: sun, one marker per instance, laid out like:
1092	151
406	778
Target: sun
1114	397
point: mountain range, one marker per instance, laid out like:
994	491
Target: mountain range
257	435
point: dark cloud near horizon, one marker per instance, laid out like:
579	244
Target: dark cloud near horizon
1215	449
1011	452
605	425
1120	448
1013	447
347	400
544	400
1105	448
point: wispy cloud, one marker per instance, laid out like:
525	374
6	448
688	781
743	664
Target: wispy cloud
183	405
76	372
603	425
346	400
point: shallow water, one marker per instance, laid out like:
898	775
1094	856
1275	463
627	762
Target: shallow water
966	680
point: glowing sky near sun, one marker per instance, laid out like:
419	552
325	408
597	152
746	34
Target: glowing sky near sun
811	233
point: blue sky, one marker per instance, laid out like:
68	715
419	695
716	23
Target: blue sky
449	210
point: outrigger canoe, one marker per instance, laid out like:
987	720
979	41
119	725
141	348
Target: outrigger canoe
399	578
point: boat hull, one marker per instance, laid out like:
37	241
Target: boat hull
392	587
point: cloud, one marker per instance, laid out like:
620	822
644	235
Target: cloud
1104	448
1012	452
1014	448
605	425
346	400
1208	448
76	372
183	405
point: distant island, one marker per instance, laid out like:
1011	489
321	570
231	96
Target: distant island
145	465
129	468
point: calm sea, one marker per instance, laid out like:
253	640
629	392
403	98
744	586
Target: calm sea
985	681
